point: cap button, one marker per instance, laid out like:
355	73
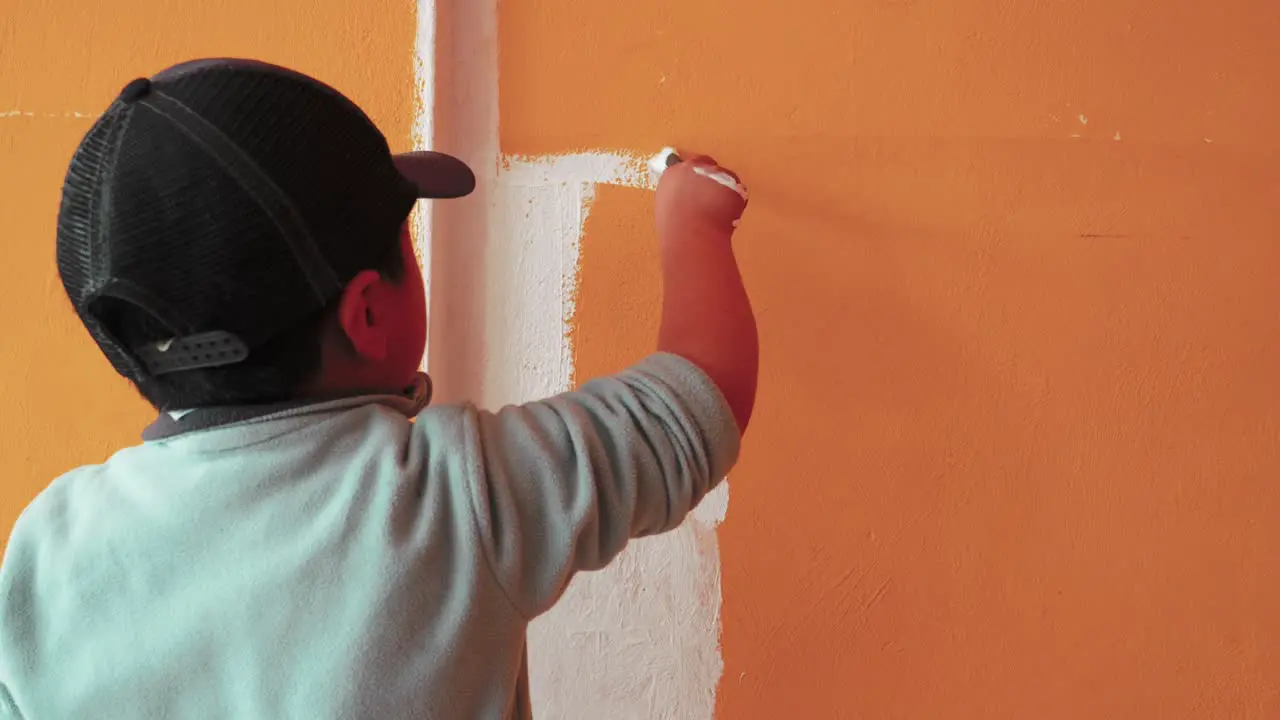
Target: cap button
135	90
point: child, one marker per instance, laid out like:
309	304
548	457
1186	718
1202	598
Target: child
299	536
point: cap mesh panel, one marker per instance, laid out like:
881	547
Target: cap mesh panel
145	206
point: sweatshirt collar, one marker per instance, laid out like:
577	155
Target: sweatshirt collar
171	424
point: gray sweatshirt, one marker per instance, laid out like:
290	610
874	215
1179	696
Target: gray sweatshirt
342	560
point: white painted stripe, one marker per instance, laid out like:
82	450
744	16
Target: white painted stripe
593	167
639	639
465	125
424	76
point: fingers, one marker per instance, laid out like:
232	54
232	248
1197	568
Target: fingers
706	166
696	159
710	163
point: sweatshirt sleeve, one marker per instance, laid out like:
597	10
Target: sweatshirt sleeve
8	710
564	483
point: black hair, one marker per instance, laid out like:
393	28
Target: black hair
275	371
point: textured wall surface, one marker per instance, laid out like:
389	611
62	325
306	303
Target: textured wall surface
1016	272
63	62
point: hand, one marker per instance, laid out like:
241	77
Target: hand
695	196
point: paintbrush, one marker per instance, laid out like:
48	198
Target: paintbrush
668	157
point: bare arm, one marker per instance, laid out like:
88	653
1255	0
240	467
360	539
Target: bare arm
706	314
561	485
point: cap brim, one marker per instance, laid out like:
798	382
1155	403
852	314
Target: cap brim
437	175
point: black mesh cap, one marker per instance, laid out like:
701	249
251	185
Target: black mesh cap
228	200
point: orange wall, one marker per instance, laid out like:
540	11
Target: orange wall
1016	267
62	404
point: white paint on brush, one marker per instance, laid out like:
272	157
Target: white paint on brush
640	639
658	163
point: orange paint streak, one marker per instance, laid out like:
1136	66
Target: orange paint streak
63	405
625	284
1019	421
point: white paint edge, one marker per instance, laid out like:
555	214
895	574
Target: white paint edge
600	168
640	639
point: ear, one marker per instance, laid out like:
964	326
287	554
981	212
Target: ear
358	316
